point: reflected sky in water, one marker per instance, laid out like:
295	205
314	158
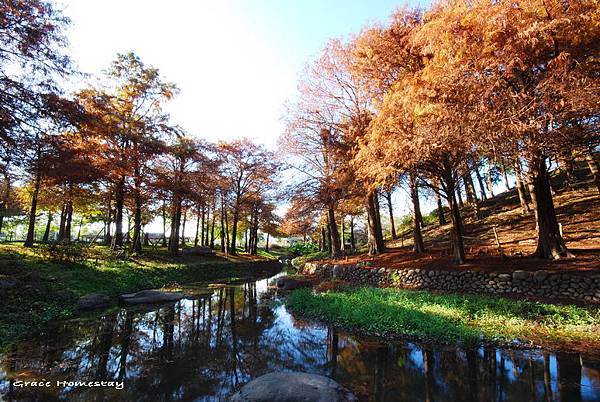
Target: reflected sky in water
206	347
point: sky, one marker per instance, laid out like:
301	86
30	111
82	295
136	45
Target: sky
235	61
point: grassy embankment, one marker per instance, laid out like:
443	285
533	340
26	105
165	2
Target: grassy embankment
34	290
451	318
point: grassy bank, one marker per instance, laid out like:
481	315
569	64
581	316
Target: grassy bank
450	318
34	290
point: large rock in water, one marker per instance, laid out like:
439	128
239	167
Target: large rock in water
93	301
293	387
287	283
150	296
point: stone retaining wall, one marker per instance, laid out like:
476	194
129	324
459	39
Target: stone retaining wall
546	284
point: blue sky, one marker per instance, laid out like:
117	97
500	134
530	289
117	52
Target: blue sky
235	61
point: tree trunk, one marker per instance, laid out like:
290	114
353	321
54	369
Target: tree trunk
119	202
440	208
5	197
471	184
480	181
63	220
334	242
378	214
328	237
267	243
460	199
533	196
47	231
164	223
252	241
136	245
33	210
175	222
255	236
68	221
342	240
206	240
196	238
109	215
212	229
203	218
488	176
505	174
128	232
352	238
183	227
449	184
521	188
468	191
234	225
594	168
223	248
550	243
250	238
323	239
226	233
471	195
567	164
418	246
2	209
376	243
457	231
388	198
79	230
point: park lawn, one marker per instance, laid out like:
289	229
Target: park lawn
461	318
47	290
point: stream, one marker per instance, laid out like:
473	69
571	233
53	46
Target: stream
205	347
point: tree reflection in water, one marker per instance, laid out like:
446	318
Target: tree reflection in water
205	348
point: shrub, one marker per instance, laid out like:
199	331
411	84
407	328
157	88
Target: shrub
304	248
63	252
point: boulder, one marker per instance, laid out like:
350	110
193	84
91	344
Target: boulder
199	251
520	275
150	296
540	275
93	301
293	387
287	283
337	271
309	268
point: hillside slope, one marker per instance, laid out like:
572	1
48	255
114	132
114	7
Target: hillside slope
578	212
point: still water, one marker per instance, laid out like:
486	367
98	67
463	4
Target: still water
205	347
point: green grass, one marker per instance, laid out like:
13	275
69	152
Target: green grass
47	290
449	318
274	253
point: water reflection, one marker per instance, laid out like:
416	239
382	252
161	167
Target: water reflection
205	348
